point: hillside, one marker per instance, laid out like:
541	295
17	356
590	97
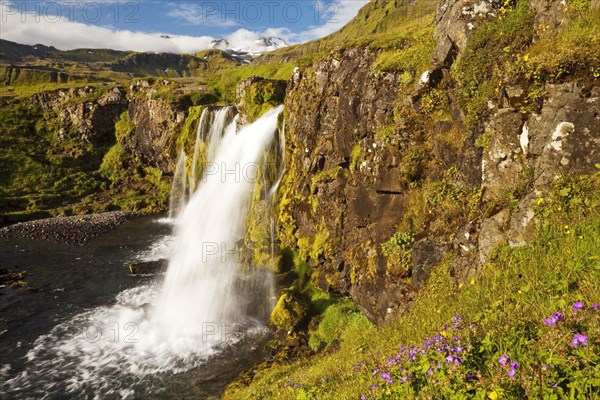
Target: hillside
29	69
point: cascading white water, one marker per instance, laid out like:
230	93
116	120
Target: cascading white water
199	134
178	324
211	129
178	188
202	269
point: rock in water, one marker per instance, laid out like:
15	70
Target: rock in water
148	267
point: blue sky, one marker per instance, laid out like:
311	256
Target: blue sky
189	25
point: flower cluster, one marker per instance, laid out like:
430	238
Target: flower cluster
438	356
578	339
450	361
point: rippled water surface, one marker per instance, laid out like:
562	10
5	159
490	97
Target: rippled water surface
79	333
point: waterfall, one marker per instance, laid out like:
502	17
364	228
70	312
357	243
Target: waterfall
211	129
199	135
198	282
178	188
207	304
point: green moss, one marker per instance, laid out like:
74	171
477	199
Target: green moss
288	313
386	133
356	157
338	322
123	128
260	97
327	175
481	69
112	163
321	244
398	251
187	139
412	54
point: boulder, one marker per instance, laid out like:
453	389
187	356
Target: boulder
148	267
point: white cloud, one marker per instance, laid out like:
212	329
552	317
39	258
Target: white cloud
65	35
198	14
333	17
29	28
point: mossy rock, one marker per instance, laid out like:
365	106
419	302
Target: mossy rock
290	312
257	95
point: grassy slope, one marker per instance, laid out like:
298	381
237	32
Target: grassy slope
518	289
387	25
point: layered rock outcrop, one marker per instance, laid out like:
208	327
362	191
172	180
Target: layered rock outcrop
157	123
364	152
87	114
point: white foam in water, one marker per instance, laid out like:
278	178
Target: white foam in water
161	249
171	326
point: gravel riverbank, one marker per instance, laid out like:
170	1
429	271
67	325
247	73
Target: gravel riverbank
75	229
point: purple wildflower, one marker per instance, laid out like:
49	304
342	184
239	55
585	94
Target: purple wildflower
297	386
579	340
375	371
453	360
503	360
373	386
386	377
555	385
457	320
513	369
578	305
554	318
429	371
595	306
470	376
558	316
288	384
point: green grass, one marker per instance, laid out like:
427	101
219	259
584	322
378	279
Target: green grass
225	81
502	312
380	25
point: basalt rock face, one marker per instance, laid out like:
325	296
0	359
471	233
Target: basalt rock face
362	152
87	114
157	124
343	194
563	138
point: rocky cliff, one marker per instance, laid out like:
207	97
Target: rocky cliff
388	176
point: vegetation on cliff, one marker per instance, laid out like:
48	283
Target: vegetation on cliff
526	327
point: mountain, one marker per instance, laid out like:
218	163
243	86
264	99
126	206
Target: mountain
22	64
253	48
